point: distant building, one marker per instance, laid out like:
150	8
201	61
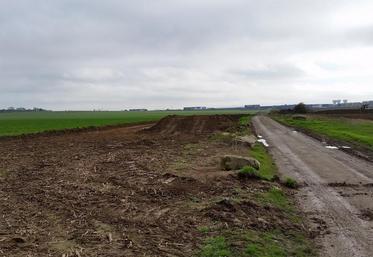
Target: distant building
356	105
195	108
252	107
22	109
138	110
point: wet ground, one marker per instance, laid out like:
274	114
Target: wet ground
337	192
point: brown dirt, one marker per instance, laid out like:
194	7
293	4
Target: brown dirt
198	124
117	192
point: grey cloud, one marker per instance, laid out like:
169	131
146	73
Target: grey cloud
271	72
361	35
172	52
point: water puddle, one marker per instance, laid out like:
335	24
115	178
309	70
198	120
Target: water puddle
331	147
336	147
263	141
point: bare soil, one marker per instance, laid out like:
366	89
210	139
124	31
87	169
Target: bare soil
125	191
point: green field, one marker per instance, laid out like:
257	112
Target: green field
17	123
342	129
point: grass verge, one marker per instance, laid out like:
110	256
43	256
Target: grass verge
268	168
276	197
257	241
341	129
254	243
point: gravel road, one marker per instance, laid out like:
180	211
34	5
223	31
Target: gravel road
337	196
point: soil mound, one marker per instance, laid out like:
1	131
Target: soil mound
197	124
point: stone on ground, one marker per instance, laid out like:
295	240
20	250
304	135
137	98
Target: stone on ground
248	140
235	162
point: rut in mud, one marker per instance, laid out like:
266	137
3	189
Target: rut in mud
125	191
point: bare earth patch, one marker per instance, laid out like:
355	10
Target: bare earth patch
132	192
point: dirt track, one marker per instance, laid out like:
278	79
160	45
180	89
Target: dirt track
338	191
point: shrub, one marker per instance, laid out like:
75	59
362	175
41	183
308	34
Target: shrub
275	178
245	121
300	108
291	183
249	172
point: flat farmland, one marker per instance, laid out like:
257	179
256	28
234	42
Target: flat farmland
145	190
18	123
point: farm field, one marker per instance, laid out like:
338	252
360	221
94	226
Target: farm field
145	190
17	123
345	130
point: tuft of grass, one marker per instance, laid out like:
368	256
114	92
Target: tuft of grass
249	172
256	243
244	125
215	247
203	229
291	183
276	197
276	243
267	245
245	121
267	169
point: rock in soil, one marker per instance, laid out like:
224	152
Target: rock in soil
235	162
248	140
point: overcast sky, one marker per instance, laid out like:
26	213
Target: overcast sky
118	54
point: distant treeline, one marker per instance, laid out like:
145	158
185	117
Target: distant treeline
21	109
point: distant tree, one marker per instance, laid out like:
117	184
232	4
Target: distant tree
300	108
364	106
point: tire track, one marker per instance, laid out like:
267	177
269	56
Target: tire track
306	159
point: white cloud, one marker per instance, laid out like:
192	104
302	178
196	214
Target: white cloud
353	14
